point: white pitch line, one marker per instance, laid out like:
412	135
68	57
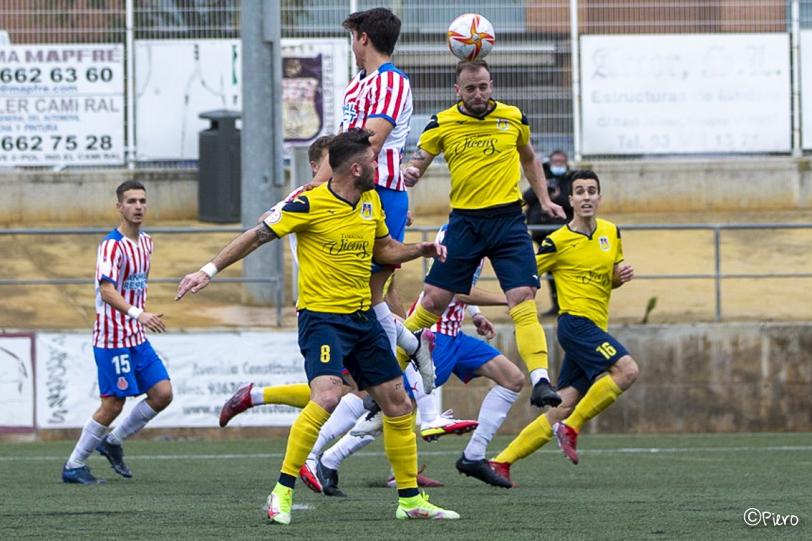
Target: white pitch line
617	451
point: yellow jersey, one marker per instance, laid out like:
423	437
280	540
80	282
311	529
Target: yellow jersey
583	267
334	249
480	152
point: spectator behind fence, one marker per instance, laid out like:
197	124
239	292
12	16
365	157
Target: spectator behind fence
558	176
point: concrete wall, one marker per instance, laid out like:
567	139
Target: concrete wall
628	186
693	378
673	186
89	196
702	185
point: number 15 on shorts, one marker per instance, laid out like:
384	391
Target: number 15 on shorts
121	364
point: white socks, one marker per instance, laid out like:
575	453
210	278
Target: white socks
135	421
347	445
387	321
92	434
257	396
537	374
426	403
349	409
492	413
406	339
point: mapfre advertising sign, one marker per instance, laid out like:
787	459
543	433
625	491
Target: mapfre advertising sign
61	105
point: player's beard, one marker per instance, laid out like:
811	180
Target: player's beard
366	181
477	109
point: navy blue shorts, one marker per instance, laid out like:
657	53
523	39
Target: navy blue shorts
128	371
396	206
357	342
461	355
588	352
500	234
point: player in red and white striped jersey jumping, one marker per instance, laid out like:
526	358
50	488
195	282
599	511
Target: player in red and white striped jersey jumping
126	363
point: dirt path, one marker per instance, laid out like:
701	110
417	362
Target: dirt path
651	252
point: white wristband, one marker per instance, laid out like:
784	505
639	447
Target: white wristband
472	310
134	312
209	269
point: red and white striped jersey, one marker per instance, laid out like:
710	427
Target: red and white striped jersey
384	93
126	264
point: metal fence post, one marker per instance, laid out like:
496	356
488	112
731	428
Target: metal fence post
717	258
795	49
262	172
129	23
575	74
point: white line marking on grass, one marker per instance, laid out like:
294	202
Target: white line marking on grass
617	451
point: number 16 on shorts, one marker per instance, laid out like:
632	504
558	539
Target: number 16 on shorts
607	350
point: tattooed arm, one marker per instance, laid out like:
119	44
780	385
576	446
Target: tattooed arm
416	166
234	251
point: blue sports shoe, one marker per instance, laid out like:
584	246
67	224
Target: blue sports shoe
80	476
115	455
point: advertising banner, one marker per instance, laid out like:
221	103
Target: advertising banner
205	370
685	93
61	105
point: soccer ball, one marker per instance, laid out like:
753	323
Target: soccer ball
470	36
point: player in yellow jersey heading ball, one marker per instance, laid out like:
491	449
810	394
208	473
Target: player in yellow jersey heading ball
586	259
486	144
340	229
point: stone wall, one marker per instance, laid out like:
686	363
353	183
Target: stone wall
693	378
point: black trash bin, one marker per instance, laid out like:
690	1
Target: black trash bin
219	170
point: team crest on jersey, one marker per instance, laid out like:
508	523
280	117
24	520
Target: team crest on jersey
275	215
502	124
366	210
604	243
122	384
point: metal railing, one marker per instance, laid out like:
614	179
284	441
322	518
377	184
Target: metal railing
277	282
427	232
717	276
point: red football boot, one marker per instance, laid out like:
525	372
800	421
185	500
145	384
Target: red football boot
309	478
503	469
446	424
567	441
238	403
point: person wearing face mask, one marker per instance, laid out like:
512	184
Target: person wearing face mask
559	178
